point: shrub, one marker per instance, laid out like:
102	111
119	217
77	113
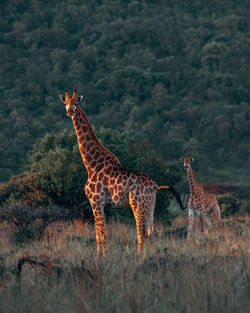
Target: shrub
55	173
30	223
229	203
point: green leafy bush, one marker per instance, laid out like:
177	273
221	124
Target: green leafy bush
229	203
55	173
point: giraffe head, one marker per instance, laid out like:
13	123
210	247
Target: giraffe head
71	102
186	160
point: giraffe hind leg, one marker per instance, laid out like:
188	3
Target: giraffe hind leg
202	222
208	220
139	213
150	219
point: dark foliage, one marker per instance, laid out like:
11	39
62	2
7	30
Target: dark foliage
229	203
173	72
30	223
55	175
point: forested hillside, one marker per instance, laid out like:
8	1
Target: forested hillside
174	72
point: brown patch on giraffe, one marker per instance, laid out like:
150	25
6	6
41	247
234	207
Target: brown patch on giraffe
98	187
88	137
92	187
96	198
82	150
102	194
84	129
100	176
101	160
119	180
108	170
81	138
92	151
120	194
88	157
120	188
97	154
94	178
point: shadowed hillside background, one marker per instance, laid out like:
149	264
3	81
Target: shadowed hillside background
175	73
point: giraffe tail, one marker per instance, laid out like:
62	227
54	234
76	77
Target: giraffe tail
175	193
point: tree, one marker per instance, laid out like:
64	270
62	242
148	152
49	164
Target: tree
55	174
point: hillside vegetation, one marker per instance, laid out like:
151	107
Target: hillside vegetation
173	72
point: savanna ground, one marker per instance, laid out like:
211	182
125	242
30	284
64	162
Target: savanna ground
61	273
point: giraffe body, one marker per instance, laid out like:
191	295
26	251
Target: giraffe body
202	203
109	182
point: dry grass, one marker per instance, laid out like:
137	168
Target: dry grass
210	274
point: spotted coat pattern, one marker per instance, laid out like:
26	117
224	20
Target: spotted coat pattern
110	183
200	202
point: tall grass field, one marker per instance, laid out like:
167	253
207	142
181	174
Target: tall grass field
61	272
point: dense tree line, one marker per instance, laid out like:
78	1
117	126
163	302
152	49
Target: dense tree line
173	72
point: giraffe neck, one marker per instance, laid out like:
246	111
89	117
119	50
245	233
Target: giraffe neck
193	184
93	153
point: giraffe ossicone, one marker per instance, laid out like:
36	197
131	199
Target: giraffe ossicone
202	203
109	183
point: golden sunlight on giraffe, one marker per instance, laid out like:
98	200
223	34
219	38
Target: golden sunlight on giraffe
109	182
202	203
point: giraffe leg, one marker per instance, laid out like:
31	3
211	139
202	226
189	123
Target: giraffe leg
101	231
202	222
217	214
208	219
140	225
190	221
139	213
150	220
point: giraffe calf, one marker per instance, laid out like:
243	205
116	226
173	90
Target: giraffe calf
202	203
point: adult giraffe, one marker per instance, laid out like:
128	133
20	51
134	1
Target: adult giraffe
203	203
109	182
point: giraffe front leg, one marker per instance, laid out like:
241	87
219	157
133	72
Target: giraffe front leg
190	221
101	231
202	222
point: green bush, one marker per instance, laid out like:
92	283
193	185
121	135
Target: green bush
55	173
229	203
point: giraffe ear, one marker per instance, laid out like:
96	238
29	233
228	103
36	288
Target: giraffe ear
181	159
62	98
191	160
79	99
